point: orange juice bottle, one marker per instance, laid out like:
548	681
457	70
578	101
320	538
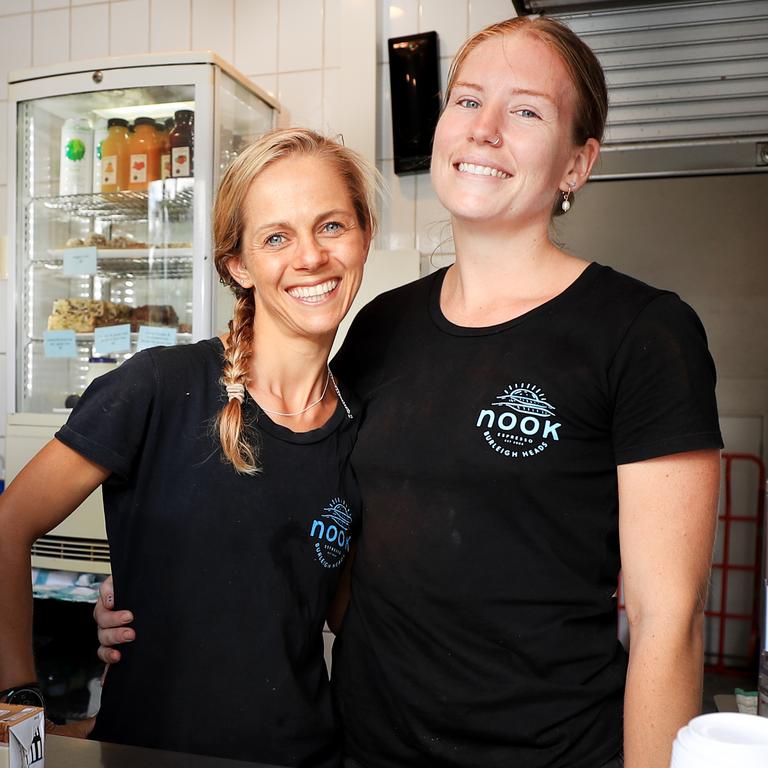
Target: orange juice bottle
115	156
145	154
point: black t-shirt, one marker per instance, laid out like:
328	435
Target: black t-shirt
228	576
482	626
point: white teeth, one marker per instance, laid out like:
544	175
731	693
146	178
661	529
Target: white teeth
313	293
482	170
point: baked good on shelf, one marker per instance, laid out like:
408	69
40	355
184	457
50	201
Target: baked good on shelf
119	241
125	241
153	314
83	315
114	314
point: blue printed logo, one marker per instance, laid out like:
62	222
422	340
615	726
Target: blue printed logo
520	422
331	534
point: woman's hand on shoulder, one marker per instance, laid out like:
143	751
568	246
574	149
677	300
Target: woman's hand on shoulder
112	624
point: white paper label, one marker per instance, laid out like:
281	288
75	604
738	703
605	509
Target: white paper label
138	169
109	169
180	161
165	166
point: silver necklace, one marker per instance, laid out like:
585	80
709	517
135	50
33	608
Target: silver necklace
311	405
341	399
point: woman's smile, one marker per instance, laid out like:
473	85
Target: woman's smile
476	169
316	293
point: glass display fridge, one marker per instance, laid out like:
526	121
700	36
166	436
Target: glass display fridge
113	166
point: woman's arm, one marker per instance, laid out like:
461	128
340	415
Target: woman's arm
667	521
46	491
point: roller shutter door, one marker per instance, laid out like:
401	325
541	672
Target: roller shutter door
693	70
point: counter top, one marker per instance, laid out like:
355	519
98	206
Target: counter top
65	752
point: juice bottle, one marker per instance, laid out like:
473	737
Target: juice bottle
145	154
182	139
165	151
75	171
115	156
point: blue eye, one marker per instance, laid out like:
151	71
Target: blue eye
468	103
332	227
526	113
274	240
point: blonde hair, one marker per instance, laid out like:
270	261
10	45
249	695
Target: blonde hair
579	59
237	443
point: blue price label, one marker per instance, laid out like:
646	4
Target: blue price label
80	261
112	338
154	336
59	344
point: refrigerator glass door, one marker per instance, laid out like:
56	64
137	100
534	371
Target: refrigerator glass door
104	243
241	117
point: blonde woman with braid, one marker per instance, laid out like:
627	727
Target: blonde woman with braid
224	469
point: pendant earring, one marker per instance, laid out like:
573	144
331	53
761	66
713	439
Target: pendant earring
566	204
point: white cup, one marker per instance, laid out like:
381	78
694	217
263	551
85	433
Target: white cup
721	740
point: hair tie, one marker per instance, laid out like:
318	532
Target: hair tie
236	392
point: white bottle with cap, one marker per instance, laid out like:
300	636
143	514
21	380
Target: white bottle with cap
76	168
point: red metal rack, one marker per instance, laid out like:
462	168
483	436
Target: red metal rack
723	660
719	658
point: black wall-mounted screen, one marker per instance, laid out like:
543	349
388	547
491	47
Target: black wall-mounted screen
414	81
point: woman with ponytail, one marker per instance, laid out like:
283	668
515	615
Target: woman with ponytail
229	504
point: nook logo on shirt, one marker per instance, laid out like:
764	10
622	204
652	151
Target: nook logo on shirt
330	532
520	422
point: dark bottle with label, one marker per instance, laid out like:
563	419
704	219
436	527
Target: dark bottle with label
182	142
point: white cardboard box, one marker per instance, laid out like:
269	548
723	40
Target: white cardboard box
22	737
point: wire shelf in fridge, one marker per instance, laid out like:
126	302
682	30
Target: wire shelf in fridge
175	201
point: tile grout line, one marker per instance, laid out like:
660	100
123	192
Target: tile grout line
323	122
278	85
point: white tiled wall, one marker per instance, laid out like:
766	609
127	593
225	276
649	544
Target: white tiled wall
291	48
412	217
